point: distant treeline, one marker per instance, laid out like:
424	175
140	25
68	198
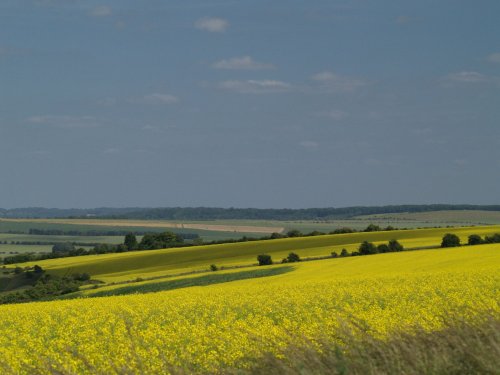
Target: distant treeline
97	233
209	213
164	240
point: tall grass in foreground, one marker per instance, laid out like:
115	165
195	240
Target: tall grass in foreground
459	348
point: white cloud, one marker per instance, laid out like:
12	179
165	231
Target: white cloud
334	114
402	20
331	82
108	102
64	121
111	150
256	86
213	25
494	57
157	98
101	11
241	63
310	145
466	77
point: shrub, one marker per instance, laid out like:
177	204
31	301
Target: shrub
344	253
383	248
292	257
334	254
294	233
450	240
316	233
213	267
492	239
264	260
367	248
63	247
474	239
372	228
342	230
395	246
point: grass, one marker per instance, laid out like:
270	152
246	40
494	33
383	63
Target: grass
128	266
24	225
183	282
459	348
442	218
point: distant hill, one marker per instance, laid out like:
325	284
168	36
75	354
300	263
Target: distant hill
213	213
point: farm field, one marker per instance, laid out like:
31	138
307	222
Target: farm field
200	225
11	244
218	327
24	225
465	217
130	265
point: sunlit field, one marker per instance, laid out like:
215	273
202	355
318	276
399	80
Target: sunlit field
128	266
229	325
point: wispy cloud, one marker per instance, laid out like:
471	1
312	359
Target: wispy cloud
466	77
402	20
256	86
64	121
494	57
101	11
241	63
331	82
212	24
111	151
310	145
333	114
157	98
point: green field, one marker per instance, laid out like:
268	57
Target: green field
235	228
433	218
128	266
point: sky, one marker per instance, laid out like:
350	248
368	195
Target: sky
266	104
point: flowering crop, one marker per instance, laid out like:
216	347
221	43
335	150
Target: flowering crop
229	325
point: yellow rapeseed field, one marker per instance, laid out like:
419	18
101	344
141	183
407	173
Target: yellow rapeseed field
130	265
229	325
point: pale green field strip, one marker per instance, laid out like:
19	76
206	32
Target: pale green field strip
55	238
157	224
128	266
452	217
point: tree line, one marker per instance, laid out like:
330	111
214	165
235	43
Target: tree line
215	213
43	285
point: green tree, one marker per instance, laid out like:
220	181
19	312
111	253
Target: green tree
63	247
474	239
372	228
395	246
130	242
367	248
450	240
264	260
294	233
383	248
292	257
344	253
213	267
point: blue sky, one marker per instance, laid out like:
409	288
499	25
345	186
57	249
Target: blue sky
248	103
